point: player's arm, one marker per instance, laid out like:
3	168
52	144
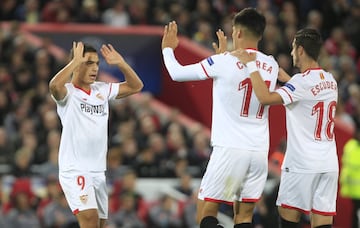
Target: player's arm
132	83
57	83
176	71
262	92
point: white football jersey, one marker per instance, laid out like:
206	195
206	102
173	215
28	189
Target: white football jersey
84	117
310	99
238	119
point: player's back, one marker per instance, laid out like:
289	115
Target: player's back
310	122
239	120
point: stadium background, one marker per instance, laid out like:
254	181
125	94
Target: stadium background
140	45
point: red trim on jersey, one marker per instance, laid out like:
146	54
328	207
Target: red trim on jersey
287	94
87	92
207	75
76	211
307	71
218	201
249	200
295	208
323	213
254	49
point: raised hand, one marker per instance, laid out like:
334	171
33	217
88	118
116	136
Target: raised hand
170	38
110	55
222	42
78	52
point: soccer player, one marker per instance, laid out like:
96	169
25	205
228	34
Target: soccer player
237	170
83	107
309	177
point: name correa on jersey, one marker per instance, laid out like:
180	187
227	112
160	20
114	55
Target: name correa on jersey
92	109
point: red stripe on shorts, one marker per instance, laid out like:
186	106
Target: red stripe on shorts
295	208
218	201
323	213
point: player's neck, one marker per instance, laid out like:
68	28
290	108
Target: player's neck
247	44
308	64
79	84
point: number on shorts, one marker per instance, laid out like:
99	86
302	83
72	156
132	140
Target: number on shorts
81	181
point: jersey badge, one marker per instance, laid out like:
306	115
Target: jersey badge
210	61
84	199
291	87
99	96
322	77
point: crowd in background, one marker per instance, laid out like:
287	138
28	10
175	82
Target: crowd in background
142	142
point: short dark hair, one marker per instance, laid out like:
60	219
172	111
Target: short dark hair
87	48
310	40
252	20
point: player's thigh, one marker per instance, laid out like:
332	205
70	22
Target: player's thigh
224	174
255	178
199	210
289	214
318	220
295	191
101	194
79	190
88	218
325	194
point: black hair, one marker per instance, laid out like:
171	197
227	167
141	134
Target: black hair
87	48
252	20
310	40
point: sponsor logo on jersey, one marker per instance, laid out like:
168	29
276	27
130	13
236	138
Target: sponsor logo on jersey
93	109
291	87
210	61
322	77
84	199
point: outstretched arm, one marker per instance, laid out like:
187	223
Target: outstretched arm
57	83
261	90
132	83
176	71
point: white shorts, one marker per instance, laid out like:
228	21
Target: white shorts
234	175
305	192
85	190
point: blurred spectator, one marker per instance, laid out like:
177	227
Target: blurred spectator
189	214
29	12
22	214
185	185
57	213
117	15
89	12
126	216
165	214
6	147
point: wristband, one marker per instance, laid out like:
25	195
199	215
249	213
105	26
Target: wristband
251	66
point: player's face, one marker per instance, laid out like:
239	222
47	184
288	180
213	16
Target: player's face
294	54
89	69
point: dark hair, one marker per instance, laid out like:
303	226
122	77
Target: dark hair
87	48
310	40
252	20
